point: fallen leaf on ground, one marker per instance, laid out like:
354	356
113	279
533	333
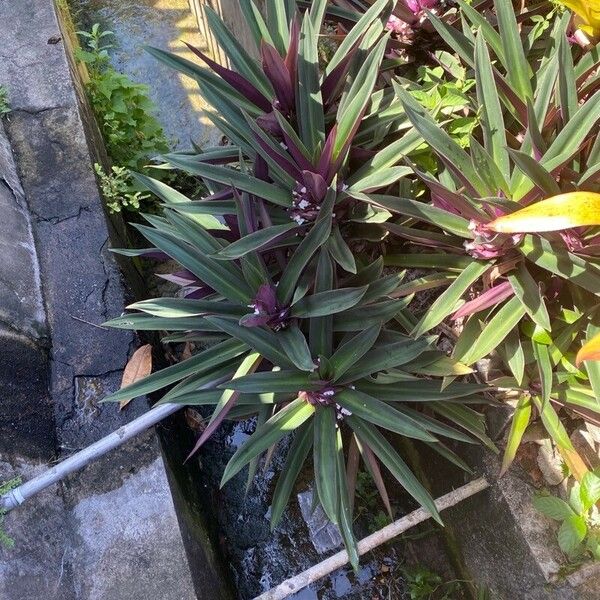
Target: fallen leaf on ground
139	366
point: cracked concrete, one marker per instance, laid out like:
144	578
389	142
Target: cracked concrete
58	284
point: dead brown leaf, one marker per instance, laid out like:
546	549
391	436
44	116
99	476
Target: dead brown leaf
194	420
139	365
187	351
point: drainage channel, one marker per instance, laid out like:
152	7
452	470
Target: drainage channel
227	530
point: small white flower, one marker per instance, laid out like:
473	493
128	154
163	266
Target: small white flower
303	204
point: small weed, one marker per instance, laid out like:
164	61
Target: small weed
5	487
368	503
131	133
118	189
4	104
579	533
424	584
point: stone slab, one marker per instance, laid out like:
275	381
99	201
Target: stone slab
324	535
37	568
121	551
115	544
21	305
33	64
26	404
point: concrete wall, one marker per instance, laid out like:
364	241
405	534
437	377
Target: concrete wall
230	12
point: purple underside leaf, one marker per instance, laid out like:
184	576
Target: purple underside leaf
235	80
182	278
315	184
373	463
334	82
266	299
261	169
255	320
224	194
361	155
268	122
402	11
286	165
291	58
295	152
233	235
197	293
446	199
276	71
323	166
212	427
232	223
490	298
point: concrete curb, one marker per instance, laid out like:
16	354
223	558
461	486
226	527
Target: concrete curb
111	532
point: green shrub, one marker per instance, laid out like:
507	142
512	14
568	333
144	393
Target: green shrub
118	190
311	338
131	133
579	531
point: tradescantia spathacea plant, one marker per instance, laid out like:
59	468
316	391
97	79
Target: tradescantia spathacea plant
531	295
305	333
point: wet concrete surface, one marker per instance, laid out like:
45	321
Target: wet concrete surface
165	24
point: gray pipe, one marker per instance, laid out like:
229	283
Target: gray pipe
80	459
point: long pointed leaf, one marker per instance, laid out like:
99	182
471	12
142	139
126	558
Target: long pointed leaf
282	423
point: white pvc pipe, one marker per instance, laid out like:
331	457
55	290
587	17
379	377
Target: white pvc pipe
300	581
80	459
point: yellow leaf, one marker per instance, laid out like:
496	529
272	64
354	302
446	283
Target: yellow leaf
588	12
138	367
574	209
574	461
589	351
